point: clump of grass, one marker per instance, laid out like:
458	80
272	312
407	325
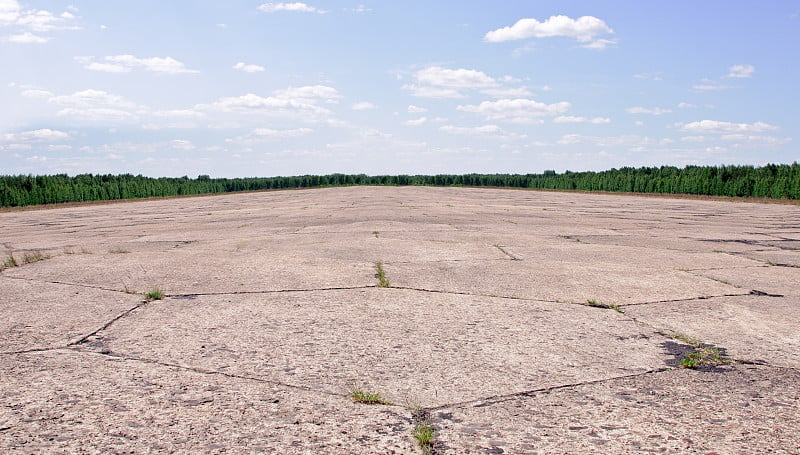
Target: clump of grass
360	396
9	262
119	250
423	434
701	354
36	256
154	294
608	306
383	282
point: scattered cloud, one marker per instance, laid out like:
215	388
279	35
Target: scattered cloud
124	63
507	92
519	110
9	11
260	135
26	38
644	110
600	44
492	131
683	105
241	66
294	7
416	109
362	106
41	135
741	71
656	76
709	85
717	127
438	82
416	122
361	9
571	119
584	29
45	21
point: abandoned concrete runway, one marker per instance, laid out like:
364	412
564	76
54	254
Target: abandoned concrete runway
515	322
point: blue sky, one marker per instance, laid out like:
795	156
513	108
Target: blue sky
243	88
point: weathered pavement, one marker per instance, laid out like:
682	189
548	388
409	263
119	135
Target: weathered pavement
273	315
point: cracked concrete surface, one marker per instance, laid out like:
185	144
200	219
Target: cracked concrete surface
272	315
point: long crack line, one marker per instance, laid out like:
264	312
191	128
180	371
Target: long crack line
495	399
200	370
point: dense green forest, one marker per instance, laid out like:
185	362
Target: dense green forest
780	181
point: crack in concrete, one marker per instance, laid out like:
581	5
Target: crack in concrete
502	250
269	291
79	349
495	399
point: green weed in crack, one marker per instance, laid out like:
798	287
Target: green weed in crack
9	262
36	256
154	294
608	306
360	396
424	432
383	282
701	353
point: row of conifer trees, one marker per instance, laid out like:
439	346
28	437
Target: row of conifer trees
780	181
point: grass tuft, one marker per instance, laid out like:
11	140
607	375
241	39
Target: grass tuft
423	434
36	256
360	396
383	282
608	306
119	250
9	262
154	294
701	354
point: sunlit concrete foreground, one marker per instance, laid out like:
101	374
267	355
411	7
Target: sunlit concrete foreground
514	322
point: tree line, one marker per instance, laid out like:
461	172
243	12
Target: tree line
778	181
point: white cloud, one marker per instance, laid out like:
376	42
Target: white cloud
26	38
583	29
432	92
459	78
644	110
509	92
600	44
517	110
438	82
479	130
41	135
260	135
310	93
9	11
416	122
717	127
107	67
45	21
741	71
157	64
362	106
361	9
571	119
683	105
707	85
241	66
92	99
36	93
416	109
125	63
296	7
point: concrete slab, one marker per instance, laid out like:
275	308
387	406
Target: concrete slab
752	328
413	347
76	402
37	315
739	409
274	296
